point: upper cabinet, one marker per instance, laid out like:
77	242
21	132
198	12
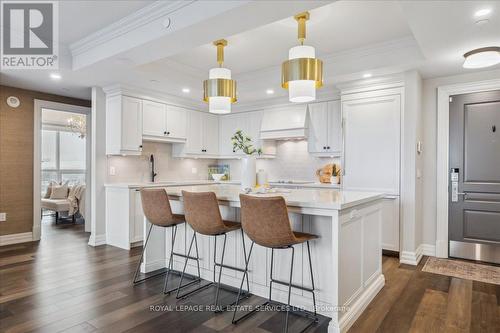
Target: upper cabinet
123	125
202	138
325	128
163	122
372	142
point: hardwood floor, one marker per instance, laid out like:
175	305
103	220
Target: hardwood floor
63	285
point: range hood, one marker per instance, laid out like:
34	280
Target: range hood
284	123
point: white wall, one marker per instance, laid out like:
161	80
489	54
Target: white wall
137	168
430	144
98	167
292	162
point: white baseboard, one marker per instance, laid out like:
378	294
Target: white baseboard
428	250
413	258
442	248
96	240
22	237
357	308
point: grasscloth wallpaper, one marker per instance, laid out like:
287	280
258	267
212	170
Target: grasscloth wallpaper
16	156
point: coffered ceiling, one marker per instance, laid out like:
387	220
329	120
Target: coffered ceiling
165	46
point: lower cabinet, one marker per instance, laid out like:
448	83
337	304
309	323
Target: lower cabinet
390	223
124	218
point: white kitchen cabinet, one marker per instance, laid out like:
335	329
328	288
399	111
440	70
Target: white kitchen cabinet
372	127
390	223
202	139
325	128
176	122
372	143
164	123
124	218
228	125
123	125
154	119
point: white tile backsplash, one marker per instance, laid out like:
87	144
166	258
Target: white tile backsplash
137	168
292	161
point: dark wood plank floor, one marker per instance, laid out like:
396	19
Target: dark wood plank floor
62	285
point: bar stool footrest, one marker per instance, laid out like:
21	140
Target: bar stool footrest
293	285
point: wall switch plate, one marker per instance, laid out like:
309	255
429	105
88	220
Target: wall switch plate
112	171
3	217
194	170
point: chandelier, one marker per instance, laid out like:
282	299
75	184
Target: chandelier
78	125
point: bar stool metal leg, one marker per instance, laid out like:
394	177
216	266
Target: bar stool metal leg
312	279
135	281
289	291
245	273
220	271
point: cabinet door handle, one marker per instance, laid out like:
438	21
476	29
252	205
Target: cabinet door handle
328	147
324	147
140	146
168	133
165	133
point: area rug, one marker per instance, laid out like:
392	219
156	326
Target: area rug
463	269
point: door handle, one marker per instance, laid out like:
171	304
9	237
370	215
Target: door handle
462	193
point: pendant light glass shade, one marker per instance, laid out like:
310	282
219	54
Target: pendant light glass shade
219	91
300	91
302	73
219	104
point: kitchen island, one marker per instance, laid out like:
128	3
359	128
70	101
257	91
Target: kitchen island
346	259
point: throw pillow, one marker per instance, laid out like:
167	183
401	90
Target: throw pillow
59	191
49	189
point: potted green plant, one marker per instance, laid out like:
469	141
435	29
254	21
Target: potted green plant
242	142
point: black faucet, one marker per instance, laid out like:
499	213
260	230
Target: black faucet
153	174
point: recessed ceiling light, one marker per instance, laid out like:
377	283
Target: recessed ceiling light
367	75
55	76
483	57
269	91
482	12
185	90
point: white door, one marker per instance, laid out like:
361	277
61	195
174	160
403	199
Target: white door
176	122
153	118
195	132
131	124
372	144
210	142
318	127
334	144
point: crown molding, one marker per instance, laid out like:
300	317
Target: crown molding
131	22
153	95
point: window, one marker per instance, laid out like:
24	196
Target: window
63	158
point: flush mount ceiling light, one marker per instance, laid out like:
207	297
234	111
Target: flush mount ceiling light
483	57
219	91
55	76
302	73
482	12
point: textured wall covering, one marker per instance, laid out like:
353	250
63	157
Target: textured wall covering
16	157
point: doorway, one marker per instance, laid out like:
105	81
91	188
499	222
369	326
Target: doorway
62	162
474	178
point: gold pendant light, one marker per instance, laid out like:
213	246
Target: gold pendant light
302	73
219	91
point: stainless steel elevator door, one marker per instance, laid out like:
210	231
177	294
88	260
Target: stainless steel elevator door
474	183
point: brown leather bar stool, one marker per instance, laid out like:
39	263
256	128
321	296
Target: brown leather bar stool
265	221
202	213
157	210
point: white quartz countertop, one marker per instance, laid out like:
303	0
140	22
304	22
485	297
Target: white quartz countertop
169	183
304	197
